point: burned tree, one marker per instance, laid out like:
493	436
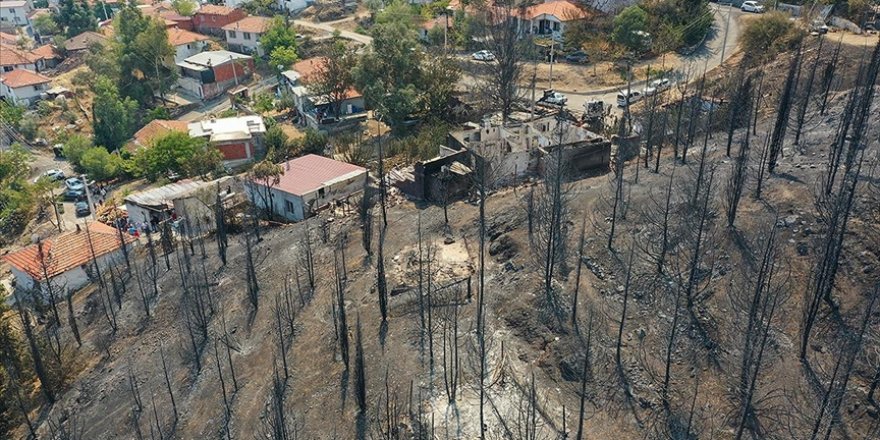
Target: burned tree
783	113
360	375
220	225
504	40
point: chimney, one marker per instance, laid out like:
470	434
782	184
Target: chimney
77	228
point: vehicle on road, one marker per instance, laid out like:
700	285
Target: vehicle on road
74	183
657	86
624	99
483	55
73	195
578	57
55	174
82	208
752	6
553	97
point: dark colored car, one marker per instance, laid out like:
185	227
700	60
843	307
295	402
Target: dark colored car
579	57
73	195
82	208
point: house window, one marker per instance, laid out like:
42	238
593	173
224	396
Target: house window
247	35
320	193
7	68
230	34
189	46
37	88
288	206
556	26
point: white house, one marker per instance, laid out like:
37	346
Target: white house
11	58
244	35
14	14
316	110
66	259
239	139
23	87
550	18
186	43
307	184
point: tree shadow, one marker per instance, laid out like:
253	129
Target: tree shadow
343	387
456	414
383	334
361	426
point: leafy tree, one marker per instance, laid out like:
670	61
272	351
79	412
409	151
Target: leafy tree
29	127
184	7
113	117
440	73
314	142
388	74
11	113
74	147
45	25
277	143
17	198
334	78
281	58
266	175
279	34
628	26
99	164
769	34
143	56
102	11
75	17
157	113
176	153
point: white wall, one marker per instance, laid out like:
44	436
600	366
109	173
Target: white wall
17	16
185	51
293	5
73	279
31	66
23	95
237	40
305	206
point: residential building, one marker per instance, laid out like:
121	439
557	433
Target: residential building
23	87
186	43
308	184
46	53
9	39
239	139
518	149
155	129
84	41
316	111
210	74
210	19
549	18
14	15
12	58
244	35
66	259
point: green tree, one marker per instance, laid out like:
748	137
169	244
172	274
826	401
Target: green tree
75	17
266	175
334	78
628	28
185	8
279	34
176	153
100	165
440	73
314	142
17	196
764	37
11	113
143	56
45	25
277	143
281	58
388	74
113	117
74	148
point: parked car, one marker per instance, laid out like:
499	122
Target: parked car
55	174
82	208
553	97
657	86
752	6
483	55
624	98
72	195
74	183
819	26
579	57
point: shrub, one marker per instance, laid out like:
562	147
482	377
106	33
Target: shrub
29	127
768	35
74	148
99	164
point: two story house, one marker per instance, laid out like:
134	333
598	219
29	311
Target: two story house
244	35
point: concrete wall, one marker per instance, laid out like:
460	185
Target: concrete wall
73	279
212	24
17	16
339	190
185	51
23	95
238	42
303	207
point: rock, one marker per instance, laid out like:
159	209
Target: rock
448	240
504	248
802	249
570	368
401	288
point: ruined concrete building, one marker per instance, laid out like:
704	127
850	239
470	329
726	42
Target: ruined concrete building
519	149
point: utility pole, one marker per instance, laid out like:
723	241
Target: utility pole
82	178
726	30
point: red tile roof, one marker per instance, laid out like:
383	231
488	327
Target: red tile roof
253	24
23	78
156	128
179	37
214	10
310	67
564	10
8	38
45	52
308	173
67	251
11	56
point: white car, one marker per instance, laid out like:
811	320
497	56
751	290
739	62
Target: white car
483	55
555	98
74	183
752	6
657	86
624	99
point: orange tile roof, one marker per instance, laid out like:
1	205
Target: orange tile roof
156	128
8	38
253	24
45	52
178	37
309	67
67	250
214	10
22	78
564	10
11	56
